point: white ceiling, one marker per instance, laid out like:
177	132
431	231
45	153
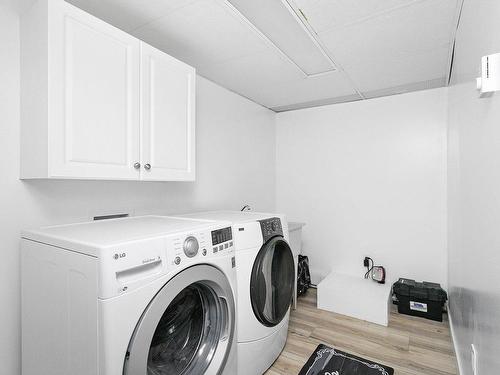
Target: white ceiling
379	47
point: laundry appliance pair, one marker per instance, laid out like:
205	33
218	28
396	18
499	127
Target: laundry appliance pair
156	295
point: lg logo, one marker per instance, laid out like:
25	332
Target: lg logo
118	256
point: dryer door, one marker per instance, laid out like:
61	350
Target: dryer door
187	328
272	281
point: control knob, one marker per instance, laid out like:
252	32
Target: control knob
191	246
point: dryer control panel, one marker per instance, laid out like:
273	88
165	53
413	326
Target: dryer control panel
271	227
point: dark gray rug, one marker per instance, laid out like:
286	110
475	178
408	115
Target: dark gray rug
329	361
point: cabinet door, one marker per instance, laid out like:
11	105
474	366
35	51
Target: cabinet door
168	117
94	91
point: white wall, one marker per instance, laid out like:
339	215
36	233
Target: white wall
235	144
369	179
474	193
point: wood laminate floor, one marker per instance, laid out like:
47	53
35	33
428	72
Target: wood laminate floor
412	346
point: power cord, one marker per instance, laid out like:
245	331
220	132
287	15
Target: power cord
369	268
379	275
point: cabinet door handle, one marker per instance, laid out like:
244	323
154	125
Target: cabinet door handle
147	166
137	165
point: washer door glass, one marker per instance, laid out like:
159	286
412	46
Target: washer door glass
187	328
187	335
272	282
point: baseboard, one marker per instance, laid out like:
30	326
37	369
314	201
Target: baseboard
454	340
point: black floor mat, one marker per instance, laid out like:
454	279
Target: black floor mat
328	361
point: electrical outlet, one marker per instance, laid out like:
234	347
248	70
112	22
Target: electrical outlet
473	355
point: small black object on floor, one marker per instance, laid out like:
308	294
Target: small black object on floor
329	361
425	300
303	275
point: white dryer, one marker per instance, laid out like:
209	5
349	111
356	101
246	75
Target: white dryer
136	296
265	271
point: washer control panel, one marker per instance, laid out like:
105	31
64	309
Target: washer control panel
127	266
222	239
271	227
193	246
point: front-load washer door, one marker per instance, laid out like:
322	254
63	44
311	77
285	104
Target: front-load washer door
272	282
188	327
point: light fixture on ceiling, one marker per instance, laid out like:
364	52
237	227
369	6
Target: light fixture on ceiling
279	23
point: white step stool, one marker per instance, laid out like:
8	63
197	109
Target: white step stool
355	296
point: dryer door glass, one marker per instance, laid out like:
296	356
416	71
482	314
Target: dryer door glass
272	281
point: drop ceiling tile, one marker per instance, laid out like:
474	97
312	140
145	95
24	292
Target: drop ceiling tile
323	15
254	76
202	33
129	14
271	81
261	69
423	26
382	73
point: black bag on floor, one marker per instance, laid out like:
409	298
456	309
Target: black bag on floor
303	275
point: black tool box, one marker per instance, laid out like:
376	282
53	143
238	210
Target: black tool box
420	299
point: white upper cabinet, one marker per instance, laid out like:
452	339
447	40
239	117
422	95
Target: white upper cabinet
95	106
98	103
168	116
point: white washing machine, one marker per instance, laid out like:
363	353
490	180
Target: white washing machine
265	271
136	296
